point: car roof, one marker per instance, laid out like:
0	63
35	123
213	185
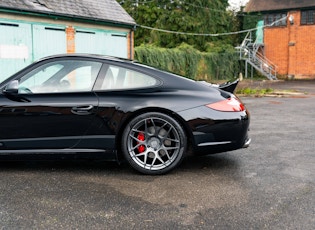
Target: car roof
85	55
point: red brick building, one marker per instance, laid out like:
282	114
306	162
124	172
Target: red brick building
289	40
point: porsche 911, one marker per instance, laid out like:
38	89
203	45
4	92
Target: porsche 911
120	109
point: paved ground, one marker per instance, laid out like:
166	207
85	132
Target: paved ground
270	185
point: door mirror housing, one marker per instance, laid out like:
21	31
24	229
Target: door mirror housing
12	87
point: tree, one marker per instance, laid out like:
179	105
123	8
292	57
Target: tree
188	16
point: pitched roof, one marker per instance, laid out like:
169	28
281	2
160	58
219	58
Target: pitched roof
272	5
98	10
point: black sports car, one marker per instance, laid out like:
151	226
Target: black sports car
122	109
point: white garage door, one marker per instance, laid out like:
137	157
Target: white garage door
21	43
15	47
101	42
48	40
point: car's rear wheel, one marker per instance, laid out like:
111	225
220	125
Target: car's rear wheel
154	143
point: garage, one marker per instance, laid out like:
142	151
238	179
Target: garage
32	29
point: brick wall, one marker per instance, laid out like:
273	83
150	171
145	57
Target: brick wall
130	45
292	48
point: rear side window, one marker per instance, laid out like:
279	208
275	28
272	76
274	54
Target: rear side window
119	78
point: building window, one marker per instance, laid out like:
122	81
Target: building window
277	19
307	17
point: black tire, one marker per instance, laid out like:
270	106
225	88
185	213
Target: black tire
154	143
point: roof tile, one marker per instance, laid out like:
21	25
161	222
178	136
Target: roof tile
273	5
103	10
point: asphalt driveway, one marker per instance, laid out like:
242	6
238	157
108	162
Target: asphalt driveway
270	185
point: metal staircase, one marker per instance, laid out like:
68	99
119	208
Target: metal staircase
250	53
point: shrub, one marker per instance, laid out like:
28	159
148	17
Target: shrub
189	62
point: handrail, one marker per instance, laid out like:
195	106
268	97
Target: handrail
264	65
263	58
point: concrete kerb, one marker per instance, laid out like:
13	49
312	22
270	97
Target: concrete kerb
280	88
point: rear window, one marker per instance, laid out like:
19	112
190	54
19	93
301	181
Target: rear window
119	78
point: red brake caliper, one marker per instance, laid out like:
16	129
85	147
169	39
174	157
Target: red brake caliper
140	137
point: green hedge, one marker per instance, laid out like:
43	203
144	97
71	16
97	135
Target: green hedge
190	62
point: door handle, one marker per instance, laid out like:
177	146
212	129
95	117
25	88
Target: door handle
82	110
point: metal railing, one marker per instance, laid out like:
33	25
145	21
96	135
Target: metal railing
249	51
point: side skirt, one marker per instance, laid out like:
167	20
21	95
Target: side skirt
110	155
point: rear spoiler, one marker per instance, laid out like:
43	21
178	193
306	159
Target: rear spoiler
227	86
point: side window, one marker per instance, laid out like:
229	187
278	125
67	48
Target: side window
41	76
276	19
119	78
61	76
308	17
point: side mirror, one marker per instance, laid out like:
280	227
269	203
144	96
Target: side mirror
12	87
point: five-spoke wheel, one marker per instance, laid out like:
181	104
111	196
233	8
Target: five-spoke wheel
154	143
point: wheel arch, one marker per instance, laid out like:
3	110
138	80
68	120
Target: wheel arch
168	112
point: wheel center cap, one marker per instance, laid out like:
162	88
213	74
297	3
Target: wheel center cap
155	142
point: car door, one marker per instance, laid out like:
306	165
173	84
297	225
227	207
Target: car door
53	107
